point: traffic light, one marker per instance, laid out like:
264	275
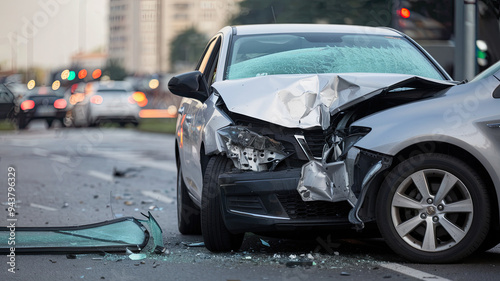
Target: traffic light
96	73
71	76
82	74
404	13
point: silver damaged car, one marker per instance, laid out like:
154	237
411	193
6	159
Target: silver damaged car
292	128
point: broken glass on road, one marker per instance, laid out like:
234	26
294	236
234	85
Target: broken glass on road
113	235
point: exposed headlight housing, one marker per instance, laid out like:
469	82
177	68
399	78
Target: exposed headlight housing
249	150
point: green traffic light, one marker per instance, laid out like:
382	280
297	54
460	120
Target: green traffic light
481	55
71	76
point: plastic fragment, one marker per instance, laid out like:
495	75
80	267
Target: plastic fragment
265	243
194	244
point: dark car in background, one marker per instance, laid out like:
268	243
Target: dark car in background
42	103
7	103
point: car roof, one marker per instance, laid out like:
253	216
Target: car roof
312	28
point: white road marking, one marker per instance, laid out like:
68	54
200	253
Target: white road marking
412	272
60	159
40	152
42	207
157	196
99	175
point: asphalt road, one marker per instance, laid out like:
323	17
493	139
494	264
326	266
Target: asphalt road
67	177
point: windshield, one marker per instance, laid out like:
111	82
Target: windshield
260	55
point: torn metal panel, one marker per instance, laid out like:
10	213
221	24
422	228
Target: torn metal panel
308	100
325	182
113	235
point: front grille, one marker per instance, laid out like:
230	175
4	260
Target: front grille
315	140
296	208
247	204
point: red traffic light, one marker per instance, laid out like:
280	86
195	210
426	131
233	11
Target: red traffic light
404	13
82	74
96	73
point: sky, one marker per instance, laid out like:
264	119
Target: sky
46	33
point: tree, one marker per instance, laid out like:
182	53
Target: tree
186	48
114	70
359	12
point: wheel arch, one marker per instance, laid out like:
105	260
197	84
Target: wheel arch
367	211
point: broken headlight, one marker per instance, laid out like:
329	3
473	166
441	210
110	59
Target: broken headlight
249	150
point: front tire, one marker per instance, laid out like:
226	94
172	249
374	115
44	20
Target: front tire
22	123
216	236
433	208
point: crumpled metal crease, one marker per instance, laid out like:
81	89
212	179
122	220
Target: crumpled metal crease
305	100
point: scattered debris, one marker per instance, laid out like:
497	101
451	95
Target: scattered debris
136	257
265	243
160	250
127	173
128	203
343	273
71	256
194	244
304	263
52	261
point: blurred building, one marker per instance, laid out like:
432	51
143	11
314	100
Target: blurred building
140	32
89	61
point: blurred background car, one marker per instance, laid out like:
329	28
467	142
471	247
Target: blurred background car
7	103
106	101
42	103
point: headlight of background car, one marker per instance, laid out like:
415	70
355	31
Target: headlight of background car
249	150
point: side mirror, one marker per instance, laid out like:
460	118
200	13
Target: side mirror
189	85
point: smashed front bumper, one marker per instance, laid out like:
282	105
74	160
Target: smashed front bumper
268	202
348	180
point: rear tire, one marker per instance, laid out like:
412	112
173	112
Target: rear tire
215	233
21	123
50	122
188	214
433	208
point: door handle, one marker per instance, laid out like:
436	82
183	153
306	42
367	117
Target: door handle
493	125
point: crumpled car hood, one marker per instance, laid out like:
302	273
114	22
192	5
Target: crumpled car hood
308	100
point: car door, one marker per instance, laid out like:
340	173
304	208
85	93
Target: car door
6	103
192	122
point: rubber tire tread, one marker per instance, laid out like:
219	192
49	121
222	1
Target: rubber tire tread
476	187
216	236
